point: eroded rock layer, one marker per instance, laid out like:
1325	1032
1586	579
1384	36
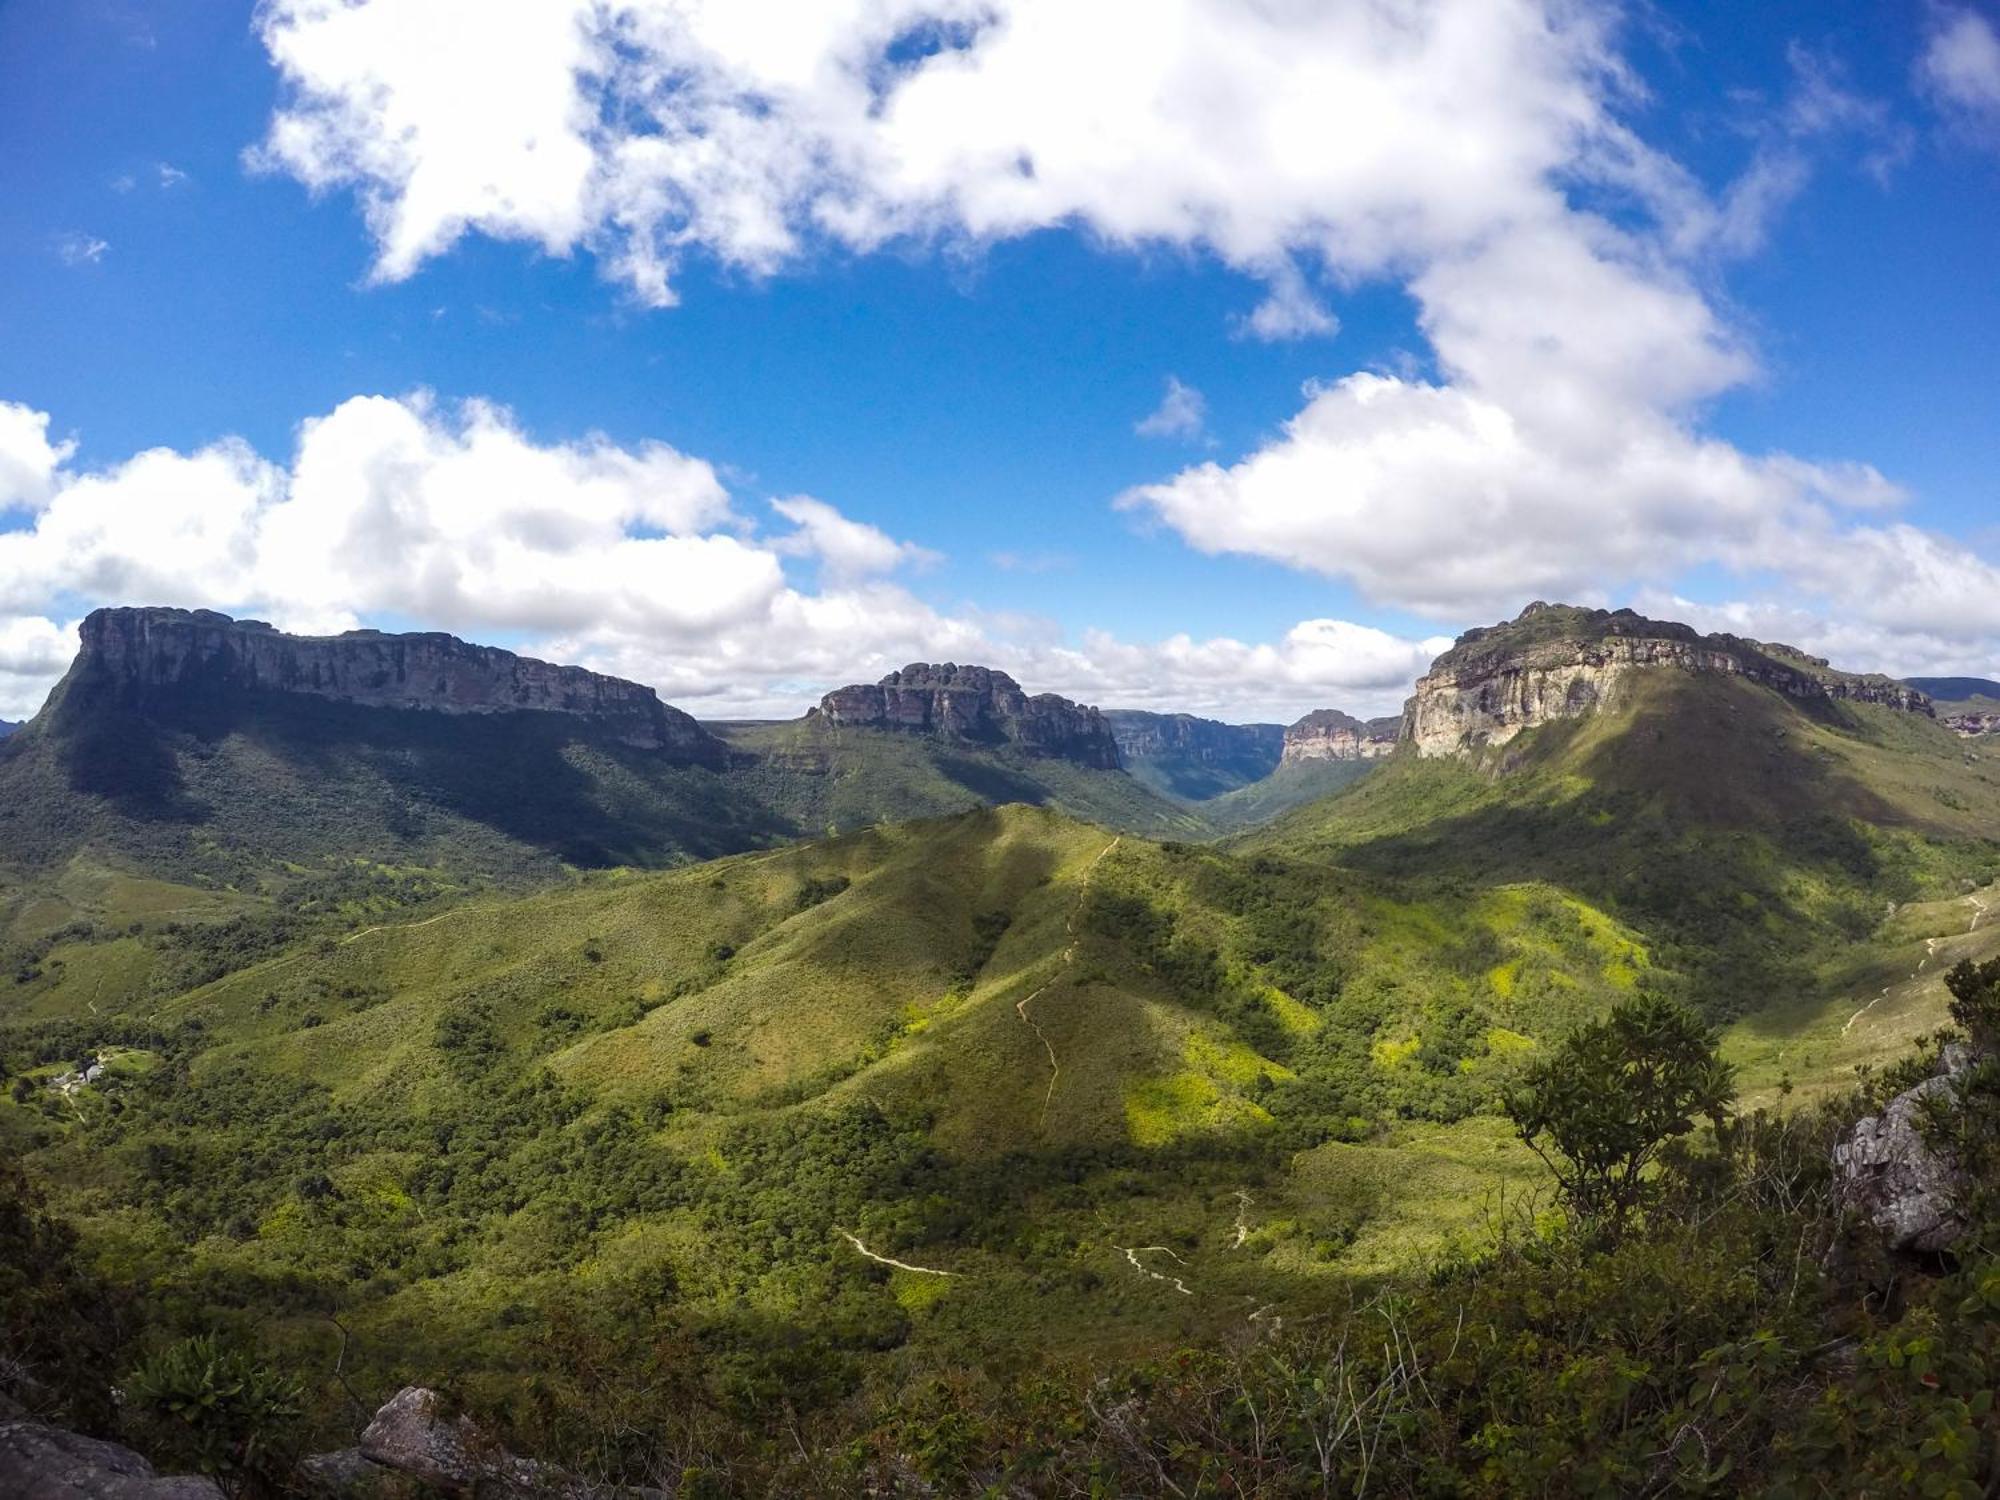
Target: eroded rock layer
1329	734
977	705
149	654
1560	662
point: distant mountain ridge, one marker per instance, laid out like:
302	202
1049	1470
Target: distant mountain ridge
141	653
977	705
1555	661
1944	690
7	727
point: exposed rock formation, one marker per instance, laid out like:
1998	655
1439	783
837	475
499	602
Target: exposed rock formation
1971	724
1329	734
977	705
1559	662
412	1435
1889	1174
40	1462
149	654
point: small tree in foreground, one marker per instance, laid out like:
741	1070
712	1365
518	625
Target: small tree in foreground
1603	1105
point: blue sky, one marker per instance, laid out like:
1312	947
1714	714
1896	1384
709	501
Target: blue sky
1679	307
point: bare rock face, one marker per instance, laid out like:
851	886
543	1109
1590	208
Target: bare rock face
411	1435
1329	734
1560	662
1889	1174
40	1462
976	705
152	654
1971	724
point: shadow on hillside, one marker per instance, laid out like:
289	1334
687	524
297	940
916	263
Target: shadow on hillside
1733	848
301	775
991	782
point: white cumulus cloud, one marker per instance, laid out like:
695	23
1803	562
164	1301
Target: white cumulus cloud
632	559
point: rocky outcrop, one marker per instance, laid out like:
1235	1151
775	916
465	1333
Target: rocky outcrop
1559	662
1142	735
40	1462
414	1435
1329	734
1892	1177
1971	725
976	705
149	655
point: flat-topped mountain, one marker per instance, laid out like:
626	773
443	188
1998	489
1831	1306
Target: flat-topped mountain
154	655
1329	734
1556	661
976	705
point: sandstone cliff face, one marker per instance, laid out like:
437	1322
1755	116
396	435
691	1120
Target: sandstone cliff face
1558	662
1209	742
152	654
1329	734
976	705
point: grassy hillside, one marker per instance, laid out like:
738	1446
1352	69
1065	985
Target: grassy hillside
825	780
1006	1045
227	790
903	1116
1287	787
1755	843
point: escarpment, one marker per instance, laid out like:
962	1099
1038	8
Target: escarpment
1329	734
1142	735
1557	662
976	705
162	657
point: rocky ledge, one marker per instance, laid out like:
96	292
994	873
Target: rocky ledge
1559	662
977	705
151	654
1329	734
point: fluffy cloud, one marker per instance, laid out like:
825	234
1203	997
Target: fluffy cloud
1473	150
1182	413
28	460
634	560
1960	67
750	130
33	653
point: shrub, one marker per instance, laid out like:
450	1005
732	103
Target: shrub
211	1407
1602	1107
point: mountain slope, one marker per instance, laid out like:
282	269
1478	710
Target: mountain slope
1193	759
1756	829
819	777
186	742
1957	689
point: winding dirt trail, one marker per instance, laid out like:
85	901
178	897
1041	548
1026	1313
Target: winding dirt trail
1062	967
1133	1253
900	1265
1979	909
